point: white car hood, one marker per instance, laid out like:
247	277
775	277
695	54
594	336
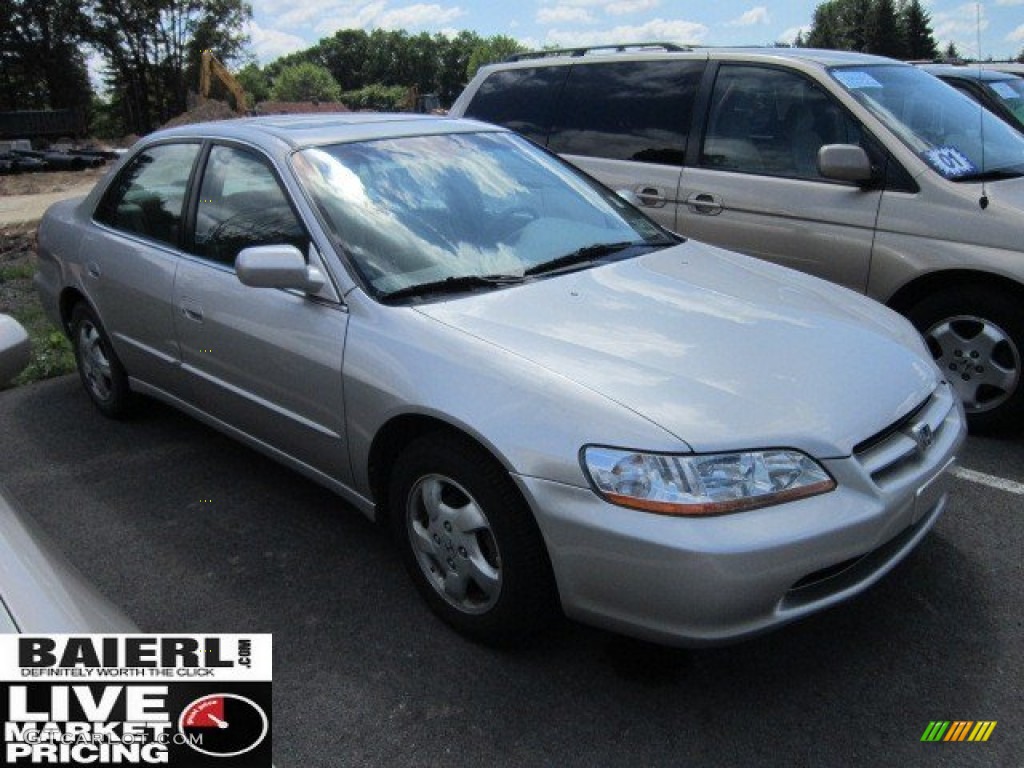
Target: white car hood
721	350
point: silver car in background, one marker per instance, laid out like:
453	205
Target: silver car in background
552	402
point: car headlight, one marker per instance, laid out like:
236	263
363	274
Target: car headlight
712	484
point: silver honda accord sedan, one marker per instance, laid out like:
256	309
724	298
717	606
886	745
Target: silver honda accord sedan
554	404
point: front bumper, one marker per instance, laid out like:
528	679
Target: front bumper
700	581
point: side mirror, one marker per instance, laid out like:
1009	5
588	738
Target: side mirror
277	266
845	162
14	348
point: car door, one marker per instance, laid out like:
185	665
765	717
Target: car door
752	184
627	124
264	361
130	258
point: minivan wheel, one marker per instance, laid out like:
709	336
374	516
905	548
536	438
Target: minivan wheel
976	336
469	541
102	374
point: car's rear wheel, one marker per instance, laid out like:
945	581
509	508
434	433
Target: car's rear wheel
102	374
469	541
976	336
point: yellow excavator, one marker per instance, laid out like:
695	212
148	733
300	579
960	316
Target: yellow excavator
211	67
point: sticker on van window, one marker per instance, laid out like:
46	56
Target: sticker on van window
950	162
853	79
1005	90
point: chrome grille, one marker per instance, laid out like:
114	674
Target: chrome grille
906	442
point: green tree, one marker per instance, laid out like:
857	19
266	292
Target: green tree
305	82
41	60
490	50
884	35
152	50
915	26
950	52
377	97
1020	56
255	81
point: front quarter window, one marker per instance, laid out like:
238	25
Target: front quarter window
949	131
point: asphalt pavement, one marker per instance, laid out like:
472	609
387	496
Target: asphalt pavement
190	532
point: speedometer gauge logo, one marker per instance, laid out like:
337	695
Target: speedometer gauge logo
223	724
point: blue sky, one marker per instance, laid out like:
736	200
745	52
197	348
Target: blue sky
283	26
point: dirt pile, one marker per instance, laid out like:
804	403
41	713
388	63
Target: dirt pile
205	112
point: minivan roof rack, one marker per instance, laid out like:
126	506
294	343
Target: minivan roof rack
583	51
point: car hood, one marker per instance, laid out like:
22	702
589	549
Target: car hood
719	349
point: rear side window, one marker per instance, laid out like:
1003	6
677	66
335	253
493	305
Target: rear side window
148	196
520	99
638	110
241	204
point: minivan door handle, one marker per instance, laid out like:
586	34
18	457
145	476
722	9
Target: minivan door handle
702	202
651	197
191	310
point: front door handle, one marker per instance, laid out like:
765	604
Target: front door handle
651	197
191	310
702	202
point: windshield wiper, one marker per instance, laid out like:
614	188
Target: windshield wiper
997	174
455	284
583	255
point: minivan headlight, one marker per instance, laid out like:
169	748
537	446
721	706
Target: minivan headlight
711	484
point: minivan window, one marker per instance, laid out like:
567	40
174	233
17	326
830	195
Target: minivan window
636	110
769	121
520	99
949	131
148	196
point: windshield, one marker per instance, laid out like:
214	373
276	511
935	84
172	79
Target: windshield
936	121
448	209
1011	93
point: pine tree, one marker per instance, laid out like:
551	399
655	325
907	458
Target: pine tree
915	27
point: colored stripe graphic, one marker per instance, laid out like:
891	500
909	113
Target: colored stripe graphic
958	730
982	730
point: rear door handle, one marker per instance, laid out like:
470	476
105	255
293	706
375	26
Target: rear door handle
191	310
651	197
702	202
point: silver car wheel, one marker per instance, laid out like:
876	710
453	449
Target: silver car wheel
980	358
95	365
453	544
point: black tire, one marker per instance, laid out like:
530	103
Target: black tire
976	335
481	565
102	374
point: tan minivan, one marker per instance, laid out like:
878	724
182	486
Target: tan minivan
859	169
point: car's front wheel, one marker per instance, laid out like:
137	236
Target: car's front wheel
976	336
102	374
469	541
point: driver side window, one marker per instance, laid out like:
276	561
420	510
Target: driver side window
241	204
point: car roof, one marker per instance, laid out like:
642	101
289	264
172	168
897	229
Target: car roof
308	130
967	72
821	57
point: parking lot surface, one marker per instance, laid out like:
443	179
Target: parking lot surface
191	532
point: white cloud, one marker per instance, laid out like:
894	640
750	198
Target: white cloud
1009	2
961	25
626	7
418	16
1017	35
561	14
673	31
268	44
758	15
